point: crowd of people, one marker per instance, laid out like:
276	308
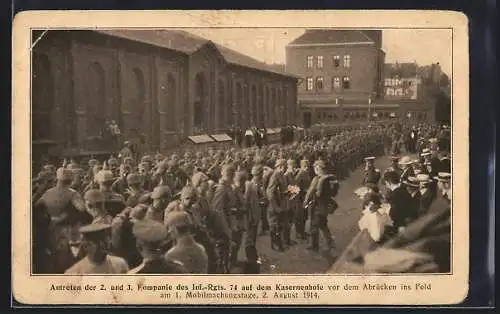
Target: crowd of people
192	212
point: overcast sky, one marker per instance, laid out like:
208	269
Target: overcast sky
268	44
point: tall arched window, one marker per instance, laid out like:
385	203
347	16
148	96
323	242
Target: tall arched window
139	107
222	104
42	97
96	101
273	108
171	103
239	103
199	103
253	113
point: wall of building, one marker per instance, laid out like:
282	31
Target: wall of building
363	71
93	78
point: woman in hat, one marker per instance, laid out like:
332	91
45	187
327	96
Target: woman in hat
374	219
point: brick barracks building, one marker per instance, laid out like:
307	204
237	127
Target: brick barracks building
164	84
342	78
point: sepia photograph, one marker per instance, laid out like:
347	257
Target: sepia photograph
241	150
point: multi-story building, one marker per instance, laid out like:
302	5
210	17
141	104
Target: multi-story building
342	77
164	84
402	82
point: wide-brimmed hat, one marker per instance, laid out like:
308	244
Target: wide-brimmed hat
443	177
423	178
412	182
405	160
425	152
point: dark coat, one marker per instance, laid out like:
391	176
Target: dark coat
399	199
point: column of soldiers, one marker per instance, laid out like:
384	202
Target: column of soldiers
418	192
193	212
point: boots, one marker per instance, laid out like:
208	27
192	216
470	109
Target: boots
314	242
287	236
276	243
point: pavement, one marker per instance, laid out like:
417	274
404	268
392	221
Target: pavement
343	225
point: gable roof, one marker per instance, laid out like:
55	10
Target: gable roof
188	44
331	36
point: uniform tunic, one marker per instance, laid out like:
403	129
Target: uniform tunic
192	255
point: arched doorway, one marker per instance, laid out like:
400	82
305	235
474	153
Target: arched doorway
96	101
42	99
199	102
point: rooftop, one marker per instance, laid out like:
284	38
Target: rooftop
332	36
188	43
403	70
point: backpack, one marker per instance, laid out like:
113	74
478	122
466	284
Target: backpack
329	186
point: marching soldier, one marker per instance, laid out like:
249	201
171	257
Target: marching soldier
290	203
254	195
303	179
372	174
94	203
319	203
277	214
224	202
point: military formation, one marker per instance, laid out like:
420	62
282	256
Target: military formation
194	211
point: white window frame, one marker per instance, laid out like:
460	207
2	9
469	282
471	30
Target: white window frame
309	83
319	62
336	58
347	61
310	62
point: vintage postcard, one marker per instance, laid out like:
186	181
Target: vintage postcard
240	157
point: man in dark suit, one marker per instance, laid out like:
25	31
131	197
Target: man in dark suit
413	204
443	196
444	162
427	193
407	171
397	196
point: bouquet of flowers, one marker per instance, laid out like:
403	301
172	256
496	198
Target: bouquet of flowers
293	191
361	192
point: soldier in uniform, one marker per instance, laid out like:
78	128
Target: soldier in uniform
318	209
94	203
150	238
254	193
135	190
120	185
372	174
123	242
291	203
113	202
186	250
238	215
65	207
161	197
277	215
224	202
95	243
114	166
204	221
394	167
303	179
144	170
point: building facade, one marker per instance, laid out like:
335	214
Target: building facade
402	82
342	77
165	85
